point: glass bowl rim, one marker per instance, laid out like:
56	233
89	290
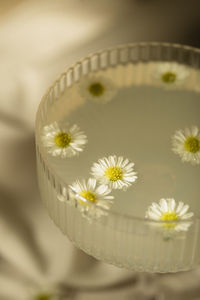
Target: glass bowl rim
109	212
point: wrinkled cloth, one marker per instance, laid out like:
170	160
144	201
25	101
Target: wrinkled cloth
38	40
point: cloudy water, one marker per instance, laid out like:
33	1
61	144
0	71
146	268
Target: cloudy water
136	120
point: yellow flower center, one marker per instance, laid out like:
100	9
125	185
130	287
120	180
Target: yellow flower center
43	297
169	216
63	139
96	89
168	77
90	196
192	144
114	173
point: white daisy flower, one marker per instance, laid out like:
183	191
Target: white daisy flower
170	74
98	89
168	210
63	141
186	143
116	172
91	197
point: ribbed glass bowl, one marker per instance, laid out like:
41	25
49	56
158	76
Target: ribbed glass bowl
123	240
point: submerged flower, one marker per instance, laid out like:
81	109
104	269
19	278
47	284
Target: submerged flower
186	143
62	140
168	210
97	88
116	172
170	74
91	197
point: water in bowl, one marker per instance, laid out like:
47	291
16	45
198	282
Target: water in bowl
136	122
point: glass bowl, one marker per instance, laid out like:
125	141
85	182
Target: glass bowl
120	239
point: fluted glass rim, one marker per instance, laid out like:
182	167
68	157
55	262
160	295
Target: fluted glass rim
54	89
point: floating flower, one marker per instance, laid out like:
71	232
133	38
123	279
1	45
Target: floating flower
170	74
116	172
98	89
186	143
63	141
91	197
168	210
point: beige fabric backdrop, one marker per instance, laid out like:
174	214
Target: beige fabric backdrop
38	40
